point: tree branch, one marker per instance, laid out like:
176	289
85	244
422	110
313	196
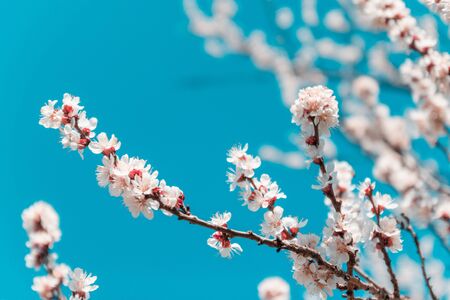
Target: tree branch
408	227
386	258
279	245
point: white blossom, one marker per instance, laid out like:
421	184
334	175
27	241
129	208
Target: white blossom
81	283
104	145
51	117
244	162
366	188
45	286
274	288
267	192
40	220
381	202
221	241
388	235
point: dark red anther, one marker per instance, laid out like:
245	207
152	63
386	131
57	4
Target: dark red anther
294	230
67	109
180	200
226	243
109	151
156	191
133	173
86	131
83	143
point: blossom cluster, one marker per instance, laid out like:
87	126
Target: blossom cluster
41	222
220	240
261	193
429	77
388	139
75	127
357	217
316	111
424	194
429	80
264	194
349	221
345	229
441	7
394	16
131	178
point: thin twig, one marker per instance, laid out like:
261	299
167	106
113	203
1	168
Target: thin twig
350	267
408	227
184	213
440	238
386	258
394	281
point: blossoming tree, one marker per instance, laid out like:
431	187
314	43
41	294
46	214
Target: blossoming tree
413	58
363	226
322	264
41	223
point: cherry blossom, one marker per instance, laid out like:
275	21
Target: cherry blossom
387	235
317	262
274	288
41	219
315	106
81	283
388	139
220	240
381	202
366	188
45	286
272	225
41	222
266	193
104	145
51	117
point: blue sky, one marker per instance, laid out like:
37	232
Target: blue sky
147	79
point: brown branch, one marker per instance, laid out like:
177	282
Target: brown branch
366	277
408	227
350	266
440	238
279	245
184	213
388	263
386	258
328	190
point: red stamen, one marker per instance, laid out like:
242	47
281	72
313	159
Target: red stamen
109	151
67	109
133	173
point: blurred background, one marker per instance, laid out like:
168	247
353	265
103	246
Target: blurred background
140	71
